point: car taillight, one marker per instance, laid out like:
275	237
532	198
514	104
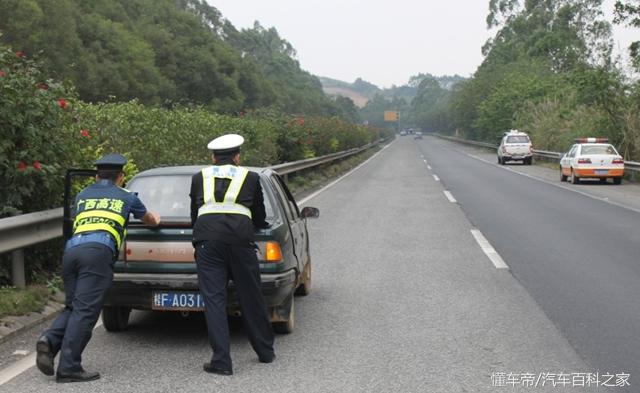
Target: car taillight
617	161
272	252
584	160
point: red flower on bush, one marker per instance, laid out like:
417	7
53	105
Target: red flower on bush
20	53
37	166
85	133
300	121
62	102
2	73
42	86
22	166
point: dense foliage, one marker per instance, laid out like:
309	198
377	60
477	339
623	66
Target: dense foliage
163	52
45	129
548	71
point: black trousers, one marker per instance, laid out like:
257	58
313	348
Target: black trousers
215	261
87	274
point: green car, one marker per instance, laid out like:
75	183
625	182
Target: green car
156	268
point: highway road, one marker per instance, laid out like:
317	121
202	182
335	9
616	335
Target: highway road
573	247
405	299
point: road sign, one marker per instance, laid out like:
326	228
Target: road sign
391	115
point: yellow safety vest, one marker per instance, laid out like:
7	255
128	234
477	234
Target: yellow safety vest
237	175
101	220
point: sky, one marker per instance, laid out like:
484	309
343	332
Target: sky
383	42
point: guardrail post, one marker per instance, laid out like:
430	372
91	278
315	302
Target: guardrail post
17	266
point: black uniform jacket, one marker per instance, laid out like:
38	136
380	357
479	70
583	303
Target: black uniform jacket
234	229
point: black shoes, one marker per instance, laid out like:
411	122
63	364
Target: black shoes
208	367
79	376
44	356
268	360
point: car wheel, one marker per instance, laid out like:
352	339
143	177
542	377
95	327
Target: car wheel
287	326
528	161
574	179
617	180
115	319
305	286
563	177
499	160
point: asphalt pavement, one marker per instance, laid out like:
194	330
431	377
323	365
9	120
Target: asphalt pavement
404	298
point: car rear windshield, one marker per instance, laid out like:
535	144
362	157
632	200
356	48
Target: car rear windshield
168	195
599	149
518	139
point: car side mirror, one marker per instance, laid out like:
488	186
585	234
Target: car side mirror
310	212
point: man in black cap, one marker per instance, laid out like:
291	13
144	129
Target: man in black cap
226	205
101	215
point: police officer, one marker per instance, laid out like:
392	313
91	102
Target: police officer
226	205
101	214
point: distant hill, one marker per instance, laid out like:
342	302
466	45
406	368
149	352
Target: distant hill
361	91
358	99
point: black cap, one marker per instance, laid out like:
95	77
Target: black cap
113	161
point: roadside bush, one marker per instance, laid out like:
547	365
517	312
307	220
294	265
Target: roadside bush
38	139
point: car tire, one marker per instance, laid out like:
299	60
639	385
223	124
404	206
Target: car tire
115	319
617	180
304	289
528	161
287	327
574	179
563	177
499	160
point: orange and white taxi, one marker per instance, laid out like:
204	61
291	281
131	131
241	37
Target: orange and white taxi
592	158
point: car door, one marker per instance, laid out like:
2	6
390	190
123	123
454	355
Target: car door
296	224
74	181
565	162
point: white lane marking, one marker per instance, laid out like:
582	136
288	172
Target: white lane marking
425	161
449	196
488	249
20	352
436	178
22	365
429	167
597	198
315	194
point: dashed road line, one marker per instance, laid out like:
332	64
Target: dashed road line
436	178
488	249
429	167
450	196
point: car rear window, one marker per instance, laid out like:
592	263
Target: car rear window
518	139
168	195
598	149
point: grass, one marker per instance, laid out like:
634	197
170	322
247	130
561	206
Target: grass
16	302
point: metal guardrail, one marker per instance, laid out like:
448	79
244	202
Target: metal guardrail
33	228
631	165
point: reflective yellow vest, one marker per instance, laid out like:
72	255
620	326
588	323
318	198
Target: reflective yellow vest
237	175
97	219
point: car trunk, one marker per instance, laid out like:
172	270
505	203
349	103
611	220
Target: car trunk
168	249
519	149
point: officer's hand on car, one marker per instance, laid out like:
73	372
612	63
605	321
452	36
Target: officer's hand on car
151	219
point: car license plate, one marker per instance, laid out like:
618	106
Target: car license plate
178	301
602	171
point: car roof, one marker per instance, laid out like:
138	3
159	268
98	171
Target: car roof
191	170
